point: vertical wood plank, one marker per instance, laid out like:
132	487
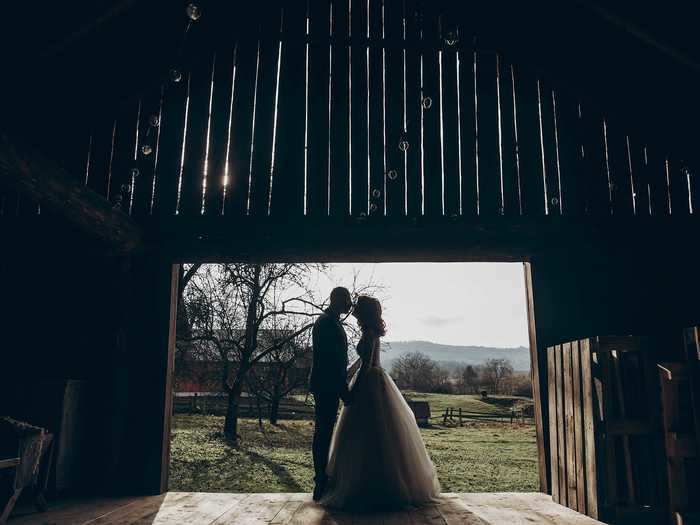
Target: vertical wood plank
529	144
339	117
318	133
579	431
358	114
190	200
288	188
591	473
466	59
123	159
571	160
606	395
553	429
393	92
243	122
376	144
216	163
449	116
508	134
549	147
412	110
561	430
595	165
540	381
432	176
572	494
266	110
619	169
490	176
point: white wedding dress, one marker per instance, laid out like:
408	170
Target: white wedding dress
377	458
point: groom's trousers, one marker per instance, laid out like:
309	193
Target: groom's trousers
325	412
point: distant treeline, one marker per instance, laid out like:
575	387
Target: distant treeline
417	371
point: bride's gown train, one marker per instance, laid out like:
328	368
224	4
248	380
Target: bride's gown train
378	459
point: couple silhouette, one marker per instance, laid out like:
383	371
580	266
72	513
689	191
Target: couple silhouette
374	458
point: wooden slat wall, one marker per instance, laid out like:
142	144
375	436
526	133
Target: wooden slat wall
604	428
574	476
311	100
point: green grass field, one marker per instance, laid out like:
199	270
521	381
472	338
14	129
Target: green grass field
479	457
492	407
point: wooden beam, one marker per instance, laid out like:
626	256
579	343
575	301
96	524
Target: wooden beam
47	183
539	387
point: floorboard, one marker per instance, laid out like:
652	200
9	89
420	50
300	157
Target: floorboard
202	508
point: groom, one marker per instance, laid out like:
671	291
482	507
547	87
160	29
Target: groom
328	381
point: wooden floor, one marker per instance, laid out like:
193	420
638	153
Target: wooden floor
298	509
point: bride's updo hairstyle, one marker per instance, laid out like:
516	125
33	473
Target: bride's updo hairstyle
368	312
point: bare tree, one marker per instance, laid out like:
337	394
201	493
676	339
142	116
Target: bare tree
281	372
497	372
414	370
229	305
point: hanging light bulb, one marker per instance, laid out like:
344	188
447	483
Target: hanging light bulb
555	201
154	121
193	11
376	193
373	207
451	38
146	149
392	174
135	172
427	102
403	142
124	188
175	75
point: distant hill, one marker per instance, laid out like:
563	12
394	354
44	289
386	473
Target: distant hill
451	354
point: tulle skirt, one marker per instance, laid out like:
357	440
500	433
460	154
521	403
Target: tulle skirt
378	459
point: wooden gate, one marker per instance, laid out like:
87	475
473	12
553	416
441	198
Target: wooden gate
604	429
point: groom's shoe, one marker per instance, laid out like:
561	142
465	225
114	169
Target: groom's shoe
319	489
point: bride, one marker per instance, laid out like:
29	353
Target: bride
377	459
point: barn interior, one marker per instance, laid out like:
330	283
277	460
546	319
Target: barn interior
136	136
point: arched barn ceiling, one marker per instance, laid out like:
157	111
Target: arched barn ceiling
63	61
508	108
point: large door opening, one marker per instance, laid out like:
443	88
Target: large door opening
458	347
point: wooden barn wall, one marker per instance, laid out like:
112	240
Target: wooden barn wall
595	292
95	319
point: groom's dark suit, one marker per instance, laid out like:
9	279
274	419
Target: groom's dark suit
328	383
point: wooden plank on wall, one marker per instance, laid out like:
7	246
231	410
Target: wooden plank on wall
377	144
449	117
412	111
528	141
553	434
589	437
359	170
339	118
508	134
490	185
561	430
288	188
432	170
318	132
579	431
266	111
572	495
539	367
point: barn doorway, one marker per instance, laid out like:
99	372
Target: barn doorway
457	345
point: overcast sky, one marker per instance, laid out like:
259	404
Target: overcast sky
451	303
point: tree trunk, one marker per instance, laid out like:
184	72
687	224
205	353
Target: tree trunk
274	410
231	421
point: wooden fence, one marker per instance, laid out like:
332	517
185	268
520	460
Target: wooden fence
357	108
